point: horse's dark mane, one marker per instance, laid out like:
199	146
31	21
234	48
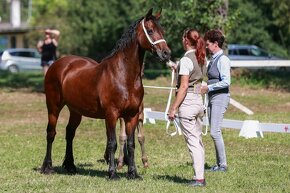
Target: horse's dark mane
126	38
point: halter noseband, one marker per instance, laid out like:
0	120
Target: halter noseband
148	37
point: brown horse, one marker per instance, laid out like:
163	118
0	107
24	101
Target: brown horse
107	90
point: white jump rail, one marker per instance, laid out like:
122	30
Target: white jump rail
248	128
227	123
260	63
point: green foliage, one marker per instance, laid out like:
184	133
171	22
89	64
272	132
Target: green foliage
91	28
4	11
278	79
33	81
153	73
197	14
258	24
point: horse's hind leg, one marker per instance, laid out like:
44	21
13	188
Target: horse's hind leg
74	121
141	138
54	106
122	143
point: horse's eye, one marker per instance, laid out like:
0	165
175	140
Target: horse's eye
150	31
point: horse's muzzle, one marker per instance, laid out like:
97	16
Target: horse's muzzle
164	55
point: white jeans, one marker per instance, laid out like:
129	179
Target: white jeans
191	112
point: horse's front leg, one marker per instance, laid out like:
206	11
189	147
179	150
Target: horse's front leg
122	142
111	146
130	131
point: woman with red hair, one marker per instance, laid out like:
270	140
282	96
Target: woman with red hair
188	102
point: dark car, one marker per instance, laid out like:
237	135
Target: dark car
249	52
20	59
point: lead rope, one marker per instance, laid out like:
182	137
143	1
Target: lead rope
175	121
205	103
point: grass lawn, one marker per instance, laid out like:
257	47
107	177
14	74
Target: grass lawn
255	165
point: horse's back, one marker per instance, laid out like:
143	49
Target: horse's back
69	63
67	66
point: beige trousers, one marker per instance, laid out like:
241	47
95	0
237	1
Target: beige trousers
190	113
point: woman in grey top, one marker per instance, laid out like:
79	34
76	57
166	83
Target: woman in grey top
218	84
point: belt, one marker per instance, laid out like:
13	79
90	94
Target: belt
194	89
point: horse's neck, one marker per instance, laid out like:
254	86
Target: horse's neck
133	60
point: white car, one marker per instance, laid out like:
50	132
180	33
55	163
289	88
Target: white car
20	59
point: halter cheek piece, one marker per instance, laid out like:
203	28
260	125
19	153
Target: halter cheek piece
148	37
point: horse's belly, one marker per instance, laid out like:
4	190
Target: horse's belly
87	110
83	102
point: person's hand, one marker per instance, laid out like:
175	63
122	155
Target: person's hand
171	114
47	31
171	65
204	89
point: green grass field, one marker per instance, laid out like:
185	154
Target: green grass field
255	165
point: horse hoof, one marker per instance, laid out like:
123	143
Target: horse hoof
114	176
46	169
120	166
70	169
145	165
134	176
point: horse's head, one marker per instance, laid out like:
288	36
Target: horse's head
150	36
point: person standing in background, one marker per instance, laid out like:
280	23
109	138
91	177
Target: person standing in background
47	48
218	84
188	101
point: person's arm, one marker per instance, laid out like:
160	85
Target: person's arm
179	97
55	33
39	46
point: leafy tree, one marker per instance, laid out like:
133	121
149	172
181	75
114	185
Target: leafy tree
257	25
91	28
4	11
48	14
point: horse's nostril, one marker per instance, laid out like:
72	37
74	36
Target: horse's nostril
167	53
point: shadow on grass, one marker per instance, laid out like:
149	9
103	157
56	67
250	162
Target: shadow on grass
178	179
175	179
84	170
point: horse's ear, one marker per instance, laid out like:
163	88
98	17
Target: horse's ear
158	14
149	13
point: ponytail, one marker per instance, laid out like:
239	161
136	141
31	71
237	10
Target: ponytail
200	51
198	42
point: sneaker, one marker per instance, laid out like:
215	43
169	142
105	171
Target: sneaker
217	168
195	183
223	168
